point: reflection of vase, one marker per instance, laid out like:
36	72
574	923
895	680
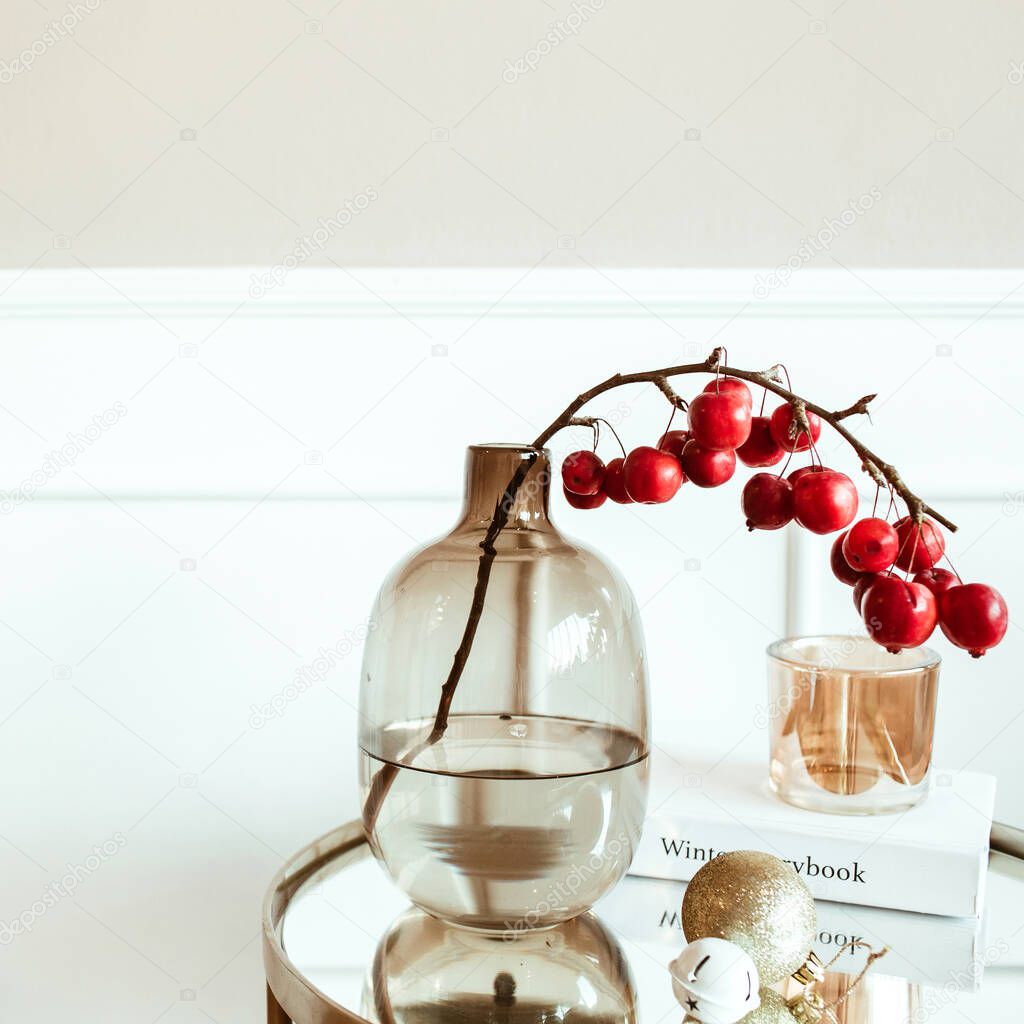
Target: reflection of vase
427	972
852	725
527	805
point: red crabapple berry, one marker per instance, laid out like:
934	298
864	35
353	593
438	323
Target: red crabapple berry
707	468
672	441
804	470
584	500
898	614
937	580
760	449
651	476
973	616
583	472
781	423
919	548
861	586
871	545
840	566
731	385
719	421
767	502
825	501
615	484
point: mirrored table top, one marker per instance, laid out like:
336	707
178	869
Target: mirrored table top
336	927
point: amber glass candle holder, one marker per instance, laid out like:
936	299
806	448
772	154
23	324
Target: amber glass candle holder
851	725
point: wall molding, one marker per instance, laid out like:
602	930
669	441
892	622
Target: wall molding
295	395
543	292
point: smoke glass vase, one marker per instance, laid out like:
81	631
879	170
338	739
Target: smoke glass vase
520	803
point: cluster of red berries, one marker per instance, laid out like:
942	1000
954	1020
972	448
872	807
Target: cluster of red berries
901	613
898	613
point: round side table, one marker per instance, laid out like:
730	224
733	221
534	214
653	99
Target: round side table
341	945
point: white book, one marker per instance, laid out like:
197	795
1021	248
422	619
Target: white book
931	859
923	949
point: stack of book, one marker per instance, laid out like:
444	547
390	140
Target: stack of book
924	868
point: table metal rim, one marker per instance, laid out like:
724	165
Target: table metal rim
296	995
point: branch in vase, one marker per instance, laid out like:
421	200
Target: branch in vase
884	474
384	778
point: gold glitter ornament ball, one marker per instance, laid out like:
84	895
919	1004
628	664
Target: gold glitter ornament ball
757	901
773	1010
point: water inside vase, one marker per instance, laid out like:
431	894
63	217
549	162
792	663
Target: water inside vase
508	822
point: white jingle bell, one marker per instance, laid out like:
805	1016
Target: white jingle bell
715	981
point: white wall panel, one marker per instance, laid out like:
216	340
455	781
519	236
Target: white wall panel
225	395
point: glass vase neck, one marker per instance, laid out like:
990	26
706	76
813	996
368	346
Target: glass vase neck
489	470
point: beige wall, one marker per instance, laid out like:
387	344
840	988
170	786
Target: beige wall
659	133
